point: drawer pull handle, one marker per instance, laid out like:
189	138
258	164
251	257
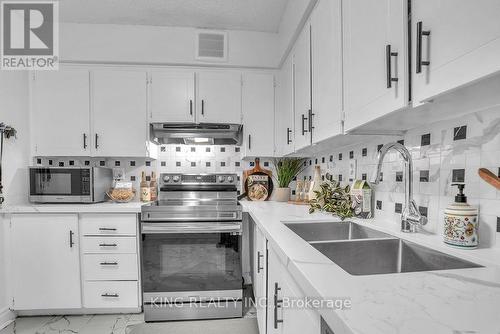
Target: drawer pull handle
108	245
109	263
110	295
107	229
277	304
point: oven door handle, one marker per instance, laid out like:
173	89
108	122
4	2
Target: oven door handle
172	228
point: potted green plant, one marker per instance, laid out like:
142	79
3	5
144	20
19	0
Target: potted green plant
286	170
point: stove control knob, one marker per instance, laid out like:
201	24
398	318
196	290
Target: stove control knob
176	178
166	178
221	178
230	179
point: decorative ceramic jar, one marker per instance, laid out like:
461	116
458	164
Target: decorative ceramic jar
461	223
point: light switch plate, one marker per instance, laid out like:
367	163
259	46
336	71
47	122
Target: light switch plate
352	169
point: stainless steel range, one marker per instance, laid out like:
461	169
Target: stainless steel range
191	249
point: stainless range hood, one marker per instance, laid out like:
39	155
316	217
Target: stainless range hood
197	134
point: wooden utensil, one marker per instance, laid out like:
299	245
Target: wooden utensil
489	177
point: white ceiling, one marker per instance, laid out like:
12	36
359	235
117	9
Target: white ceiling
252	15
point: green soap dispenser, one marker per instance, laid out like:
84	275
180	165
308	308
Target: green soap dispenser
461	222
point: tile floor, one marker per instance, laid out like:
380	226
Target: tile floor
118	323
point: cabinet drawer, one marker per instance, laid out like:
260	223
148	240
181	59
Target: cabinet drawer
121	267
113	245
110	294
109	224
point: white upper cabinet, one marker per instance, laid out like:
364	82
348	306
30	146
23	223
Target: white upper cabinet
284	133
172	96
258	114
45	270
326	50
219	97
375	59
60	117
455	42
302	88
119	113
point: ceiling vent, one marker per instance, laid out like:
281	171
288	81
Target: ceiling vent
211	45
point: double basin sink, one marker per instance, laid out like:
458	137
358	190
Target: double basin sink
360	250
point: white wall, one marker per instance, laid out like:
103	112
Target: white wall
14	111
160	45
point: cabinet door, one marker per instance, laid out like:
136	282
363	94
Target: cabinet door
463	44
284	134
60	119
45	261
326	50
219	97
258	114
297	320
260	277
172	96
119	113
370	26
302	90
282	291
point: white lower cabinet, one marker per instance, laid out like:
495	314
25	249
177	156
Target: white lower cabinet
273	282
110	267
54	256
283	294
260	276
45	266
105	245
111	294
106	224
110	261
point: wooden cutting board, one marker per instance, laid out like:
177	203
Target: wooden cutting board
257	183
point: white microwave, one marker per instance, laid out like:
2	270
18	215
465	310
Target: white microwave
69	184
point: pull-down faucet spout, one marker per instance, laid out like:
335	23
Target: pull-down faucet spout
410	217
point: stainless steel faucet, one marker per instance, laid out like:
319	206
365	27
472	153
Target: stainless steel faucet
411	217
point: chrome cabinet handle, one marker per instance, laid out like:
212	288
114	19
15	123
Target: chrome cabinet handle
108	263
259	268
304	118
84	141
96	140
249	142
107	229
191	107
203	107
110	295
288	132
388	60
277	304
311	127
108	245
71	242
420	34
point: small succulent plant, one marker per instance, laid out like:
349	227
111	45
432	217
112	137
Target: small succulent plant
332	198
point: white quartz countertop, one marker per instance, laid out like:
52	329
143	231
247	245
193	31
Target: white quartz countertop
105	207
446	301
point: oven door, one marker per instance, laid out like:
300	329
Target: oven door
60	184
191	261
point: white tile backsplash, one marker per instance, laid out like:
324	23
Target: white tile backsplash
480	148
